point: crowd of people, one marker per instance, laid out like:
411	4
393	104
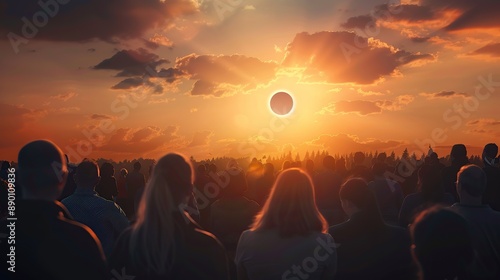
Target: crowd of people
299	222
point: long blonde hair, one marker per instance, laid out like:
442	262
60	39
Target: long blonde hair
291	207
152	236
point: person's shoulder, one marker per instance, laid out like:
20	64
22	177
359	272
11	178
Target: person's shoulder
338	228
84	234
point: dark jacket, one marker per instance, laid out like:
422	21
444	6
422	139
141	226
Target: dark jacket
371	249
48	245
197	254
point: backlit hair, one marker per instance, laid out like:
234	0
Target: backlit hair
151	240
291	207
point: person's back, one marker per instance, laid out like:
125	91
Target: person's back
135	184
458	157
48	244
369	248
103	216
387	192
230	216
288	239
491	195
484	223
414	203
327	187
198	254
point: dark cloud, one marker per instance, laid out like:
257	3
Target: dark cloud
361	22
100	117
469	14
444	94
170	74
132	62
129	83
218	75
343	57
490	50
83	20
419	39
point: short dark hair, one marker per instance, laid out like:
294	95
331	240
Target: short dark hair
329	162
472	179
356	191
87	171
41	166
443	243
137	165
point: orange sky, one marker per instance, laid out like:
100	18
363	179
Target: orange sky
129	79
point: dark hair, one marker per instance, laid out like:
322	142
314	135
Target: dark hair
359	157
87	171
379	168
237	183
329	162
41	165
442	243
5	165
137	165
429	184
472	179
356	191
107	170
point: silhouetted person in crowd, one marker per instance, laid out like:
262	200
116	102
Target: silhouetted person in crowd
165	243
340	168
430	192
387	192
492	193
106	187
369	248
484	223
202	182
48	243
286	233
4	170
358	169
122	197
70	186
326	187
254	172
4	187
310	168
103	216
433	160
458	158
442	244
264	183
232	213
135	185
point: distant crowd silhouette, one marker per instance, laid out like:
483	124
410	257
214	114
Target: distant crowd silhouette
303	221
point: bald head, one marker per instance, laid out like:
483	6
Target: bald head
471	179
42	169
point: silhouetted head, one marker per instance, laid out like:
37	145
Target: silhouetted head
107	170
490	152
471	179
286	164
381	157
137	166
201	169
232	163
359	158
291	208
87	174
329	163
237	183
124	172
442	244
269	168
172	171
356	196
379	168
42	170
5	165
212	168
458	154
429	183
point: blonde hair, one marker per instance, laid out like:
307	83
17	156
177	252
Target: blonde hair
291	207
152	244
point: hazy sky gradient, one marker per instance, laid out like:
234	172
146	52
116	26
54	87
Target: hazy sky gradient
130	79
